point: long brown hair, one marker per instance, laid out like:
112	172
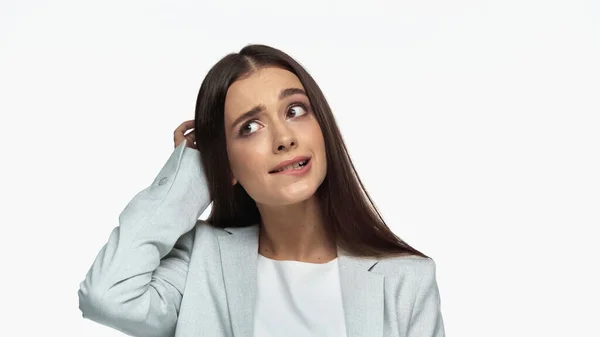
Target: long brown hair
350	215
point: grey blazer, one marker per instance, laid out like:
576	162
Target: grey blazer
165	273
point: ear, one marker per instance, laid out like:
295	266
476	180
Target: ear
234	181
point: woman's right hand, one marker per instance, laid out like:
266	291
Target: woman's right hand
179	134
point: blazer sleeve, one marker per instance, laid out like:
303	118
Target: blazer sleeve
426	320
136	282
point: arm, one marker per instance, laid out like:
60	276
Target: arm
136	282
426	320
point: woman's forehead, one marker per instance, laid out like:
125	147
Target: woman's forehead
261	87
265	80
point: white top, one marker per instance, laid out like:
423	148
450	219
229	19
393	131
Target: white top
298	299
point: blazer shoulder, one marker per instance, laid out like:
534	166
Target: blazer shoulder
206	227
410	266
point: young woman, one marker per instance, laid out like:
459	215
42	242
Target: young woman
293	246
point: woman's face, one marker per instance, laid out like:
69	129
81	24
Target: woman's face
283	127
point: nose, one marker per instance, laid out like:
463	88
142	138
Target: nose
284	140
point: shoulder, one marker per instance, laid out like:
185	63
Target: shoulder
204	235
207	227
411	267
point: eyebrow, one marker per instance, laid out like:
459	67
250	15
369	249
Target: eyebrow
261	107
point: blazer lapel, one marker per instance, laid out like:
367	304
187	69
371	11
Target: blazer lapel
362	291
362	294
239	258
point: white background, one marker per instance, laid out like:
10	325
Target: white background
473	124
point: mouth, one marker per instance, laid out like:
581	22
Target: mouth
297	166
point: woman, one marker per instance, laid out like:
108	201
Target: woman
293	246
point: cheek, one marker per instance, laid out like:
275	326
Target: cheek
245	161
318	145
315	136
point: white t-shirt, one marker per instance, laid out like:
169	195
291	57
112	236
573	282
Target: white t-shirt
298	299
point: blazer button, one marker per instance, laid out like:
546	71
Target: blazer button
163	181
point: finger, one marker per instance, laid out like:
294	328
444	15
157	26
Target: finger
177	139
184	127
191	137
179	133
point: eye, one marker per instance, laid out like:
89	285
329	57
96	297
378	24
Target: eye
298	107
244	128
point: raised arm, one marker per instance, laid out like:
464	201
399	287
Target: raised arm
136	282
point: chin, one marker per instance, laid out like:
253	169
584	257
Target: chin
293	197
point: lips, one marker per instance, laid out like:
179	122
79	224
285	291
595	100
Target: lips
288	163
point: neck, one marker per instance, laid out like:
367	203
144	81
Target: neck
295	232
